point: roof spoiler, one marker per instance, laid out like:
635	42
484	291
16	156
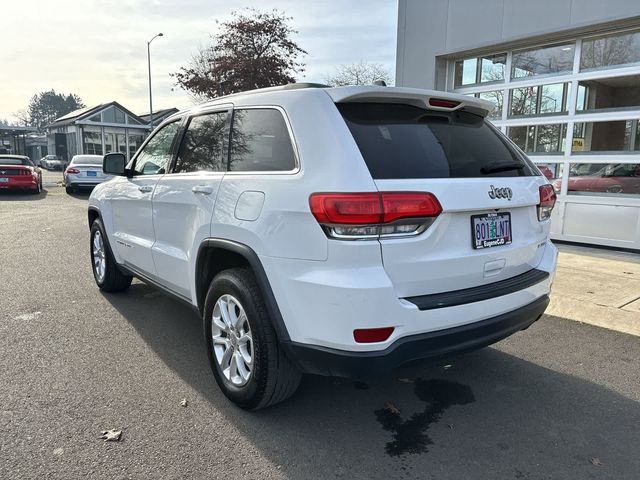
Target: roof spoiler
430	99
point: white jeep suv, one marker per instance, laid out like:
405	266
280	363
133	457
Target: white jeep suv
336	231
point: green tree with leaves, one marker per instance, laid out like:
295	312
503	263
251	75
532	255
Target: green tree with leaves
45	107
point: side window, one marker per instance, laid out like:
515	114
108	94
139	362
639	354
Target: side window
201	149
155	157
260	142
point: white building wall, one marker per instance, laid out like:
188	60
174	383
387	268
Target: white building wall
431	28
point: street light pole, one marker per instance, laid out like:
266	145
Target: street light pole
149	65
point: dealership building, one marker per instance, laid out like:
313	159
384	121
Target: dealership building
564	77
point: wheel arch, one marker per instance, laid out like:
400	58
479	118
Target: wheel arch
216	255
92	214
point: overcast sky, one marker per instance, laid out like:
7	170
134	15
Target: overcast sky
97	48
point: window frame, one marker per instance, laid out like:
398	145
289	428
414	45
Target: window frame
297	167
172	150
186	121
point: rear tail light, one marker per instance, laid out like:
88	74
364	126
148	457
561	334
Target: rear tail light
547	202
372	335
72	170
374	214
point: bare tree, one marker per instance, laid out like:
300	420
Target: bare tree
359	73
22	118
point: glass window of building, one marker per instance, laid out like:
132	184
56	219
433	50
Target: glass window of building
119	116
109	115
616	93
597	179
494	97
539	100
542	139
554	60
92	142
490	68
610	51
611	136
134	144
109	143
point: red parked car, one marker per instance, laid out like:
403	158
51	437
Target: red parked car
621	178
18	172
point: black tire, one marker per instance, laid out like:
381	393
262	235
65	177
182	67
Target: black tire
273	377
113	279
69	190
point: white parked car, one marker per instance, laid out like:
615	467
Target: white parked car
51	162
84	171
338	231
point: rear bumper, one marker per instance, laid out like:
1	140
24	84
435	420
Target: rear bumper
83	182
26	183
431	345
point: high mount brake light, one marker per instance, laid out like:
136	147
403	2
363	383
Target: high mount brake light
547	202
442	103
374	214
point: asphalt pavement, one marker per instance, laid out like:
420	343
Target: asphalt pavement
558	401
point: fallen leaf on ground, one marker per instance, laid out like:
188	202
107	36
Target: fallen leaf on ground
407	380
390	407
183	402
450	425
58	451
447	367
111	435
597	462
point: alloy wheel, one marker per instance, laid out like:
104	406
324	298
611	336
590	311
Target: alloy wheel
99	257
232	340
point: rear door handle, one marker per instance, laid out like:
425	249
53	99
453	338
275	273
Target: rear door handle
203	189
145	188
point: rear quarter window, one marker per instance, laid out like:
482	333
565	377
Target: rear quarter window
260	141
402	141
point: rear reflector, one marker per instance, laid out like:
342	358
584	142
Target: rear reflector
442	103
372	335
547	202
372	214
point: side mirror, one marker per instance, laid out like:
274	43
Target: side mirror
114	163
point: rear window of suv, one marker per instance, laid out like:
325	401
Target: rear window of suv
402	141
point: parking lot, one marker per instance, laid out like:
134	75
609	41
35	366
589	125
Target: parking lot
560	400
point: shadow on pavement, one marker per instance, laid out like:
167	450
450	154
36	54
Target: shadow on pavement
489	413
12	195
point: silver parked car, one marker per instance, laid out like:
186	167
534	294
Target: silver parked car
51	162
84	171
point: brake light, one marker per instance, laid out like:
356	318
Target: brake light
72	170
547	202
442	103
374	214
372	335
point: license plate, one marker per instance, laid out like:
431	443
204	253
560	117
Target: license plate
490	230
4	179
91	174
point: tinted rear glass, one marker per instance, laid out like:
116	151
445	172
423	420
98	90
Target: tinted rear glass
403	141
87	161
13	161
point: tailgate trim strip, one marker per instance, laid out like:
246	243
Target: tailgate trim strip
477	294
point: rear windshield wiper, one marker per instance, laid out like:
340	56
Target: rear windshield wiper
495	167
